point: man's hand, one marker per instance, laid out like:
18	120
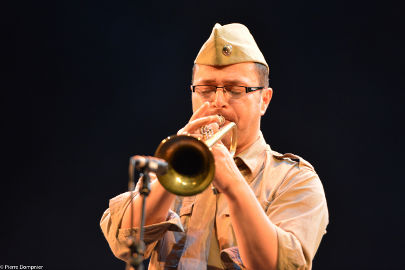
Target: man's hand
226	172
198	119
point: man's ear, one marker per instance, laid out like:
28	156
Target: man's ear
265	98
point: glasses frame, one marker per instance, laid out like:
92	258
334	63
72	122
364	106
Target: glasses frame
248	89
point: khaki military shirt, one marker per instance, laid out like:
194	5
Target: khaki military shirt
288	189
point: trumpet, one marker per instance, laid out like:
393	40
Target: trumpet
191	165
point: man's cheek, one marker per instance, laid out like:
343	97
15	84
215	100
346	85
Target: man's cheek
196	103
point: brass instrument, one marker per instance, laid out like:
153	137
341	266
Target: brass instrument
191	163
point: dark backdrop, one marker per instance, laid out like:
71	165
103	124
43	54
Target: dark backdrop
99	81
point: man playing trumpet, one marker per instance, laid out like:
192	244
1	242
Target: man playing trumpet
270	211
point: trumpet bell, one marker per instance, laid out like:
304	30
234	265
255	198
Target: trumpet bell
191	165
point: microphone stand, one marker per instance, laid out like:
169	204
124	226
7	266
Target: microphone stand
137	246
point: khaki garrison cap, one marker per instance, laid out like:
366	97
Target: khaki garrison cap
230	44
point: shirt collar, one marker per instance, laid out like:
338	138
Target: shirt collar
253	157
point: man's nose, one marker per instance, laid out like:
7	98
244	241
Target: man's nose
220	98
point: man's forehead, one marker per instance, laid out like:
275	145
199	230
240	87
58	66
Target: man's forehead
212	80
236	73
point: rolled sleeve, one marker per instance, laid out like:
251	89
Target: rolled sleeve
231	259
290	254
154	232
116	237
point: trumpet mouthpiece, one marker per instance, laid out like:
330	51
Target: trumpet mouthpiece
221	120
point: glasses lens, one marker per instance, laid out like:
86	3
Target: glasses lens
235	92
231	91
205	91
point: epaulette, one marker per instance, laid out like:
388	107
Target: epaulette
291	157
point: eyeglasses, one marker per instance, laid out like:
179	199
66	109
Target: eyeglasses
230	91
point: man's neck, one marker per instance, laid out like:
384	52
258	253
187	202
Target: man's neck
241	148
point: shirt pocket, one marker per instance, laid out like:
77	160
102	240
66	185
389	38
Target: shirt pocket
185	213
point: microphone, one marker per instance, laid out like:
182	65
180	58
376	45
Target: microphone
150	164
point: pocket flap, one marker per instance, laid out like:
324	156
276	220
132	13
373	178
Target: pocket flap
186	209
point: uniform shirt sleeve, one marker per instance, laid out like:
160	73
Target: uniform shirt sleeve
116	237
299	211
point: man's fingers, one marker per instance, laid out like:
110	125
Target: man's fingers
196	124
200	111
214	126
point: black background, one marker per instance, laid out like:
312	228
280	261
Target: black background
98	81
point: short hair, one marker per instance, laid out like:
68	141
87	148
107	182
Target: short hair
263	74
261	70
